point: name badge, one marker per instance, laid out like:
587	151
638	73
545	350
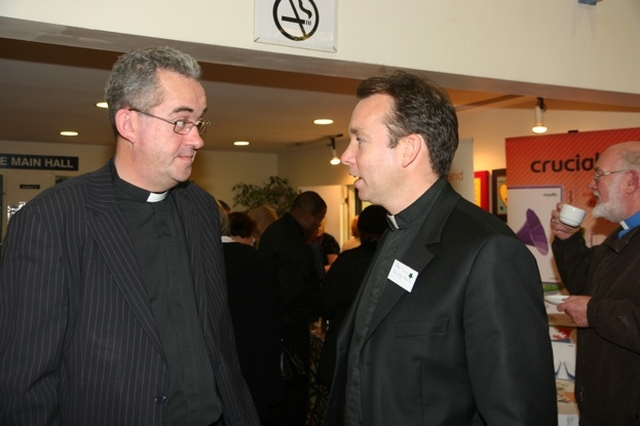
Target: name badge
403	275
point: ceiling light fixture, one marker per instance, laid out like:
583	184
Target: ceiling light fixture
335	160
539	126
323	121
102	105
241	143
68	133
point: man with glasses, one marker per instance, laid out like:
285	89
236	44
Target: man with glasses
113	300
604	282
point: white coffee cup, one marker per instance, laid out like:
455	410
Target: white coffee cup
571	215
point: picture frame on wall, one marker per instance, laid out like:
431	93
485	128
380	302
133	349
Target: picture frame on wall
499	193
481	189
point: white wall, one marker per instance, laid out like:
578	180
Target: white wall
218	171
544	46
309	166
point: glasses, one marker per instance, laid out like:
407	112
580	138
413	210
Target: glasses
599	175
181	127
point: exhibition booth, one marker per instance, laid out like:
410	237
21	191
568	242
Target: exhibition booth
541	172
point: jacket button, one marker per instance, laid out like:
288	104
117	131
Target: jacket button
160	398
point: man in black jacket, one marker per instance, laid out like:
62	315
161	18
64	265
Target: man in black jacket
604	282
113	301
449	325
285	251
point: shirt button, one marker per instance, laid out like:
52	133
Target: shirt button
160	398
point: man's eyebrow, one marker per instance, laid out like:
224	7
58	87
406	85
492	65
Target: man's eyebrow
182	109
187	109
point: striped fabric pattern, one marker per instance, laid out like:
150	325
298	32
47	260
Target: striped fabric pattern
78	342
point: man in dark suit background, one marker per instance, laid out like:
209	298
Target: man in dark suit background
343	280
290	262
113	303
449	326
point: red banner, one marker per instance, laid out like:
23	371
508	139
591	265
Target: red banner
542	170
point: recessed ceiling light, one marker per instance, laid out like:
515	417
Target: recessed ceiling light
68	133
323	121
241	143
102	105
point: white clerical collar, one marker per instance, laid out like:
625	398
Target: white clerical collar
155	197
629	223
392	219
227	239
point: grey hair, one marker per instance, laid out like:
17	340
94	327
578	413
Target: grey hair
630	154
134	83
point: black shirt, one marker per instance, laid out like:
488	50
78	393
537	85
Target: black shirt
158	237
404	226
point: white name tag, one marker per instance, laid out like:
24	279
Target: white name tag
402	275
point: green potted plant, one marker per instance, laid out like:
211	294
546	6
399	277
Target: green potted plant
276	193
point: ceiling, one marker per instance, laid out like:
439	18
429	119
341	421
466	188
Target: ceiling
46	88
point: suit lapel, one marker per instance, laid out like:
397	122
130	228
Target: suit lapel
189	224
107	225
185	201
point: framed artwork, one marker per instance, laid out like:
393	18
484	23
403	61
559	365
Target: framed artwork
481	189
499	193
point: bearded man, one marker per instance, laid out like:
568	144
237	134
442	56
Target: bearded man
604	282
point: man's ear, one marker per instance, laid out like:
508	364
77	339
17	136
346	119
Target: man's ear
125	123
411	146
633	181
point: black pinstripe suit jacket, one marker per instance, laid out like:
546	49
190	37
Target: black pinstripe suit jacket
78	341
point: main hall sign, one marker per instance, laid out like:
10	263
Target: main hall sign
38	162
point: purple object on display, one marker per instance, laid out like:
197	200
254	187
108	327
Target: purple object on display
532	233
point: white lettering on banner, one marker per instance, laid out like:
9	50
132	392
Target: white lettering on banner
57	163
38	162
26	162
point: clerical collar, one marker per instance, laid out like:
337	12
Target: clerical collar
154	197
418	209
629	223
133	192
392	221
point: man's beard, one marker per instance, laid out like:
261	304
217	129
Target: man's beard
609	210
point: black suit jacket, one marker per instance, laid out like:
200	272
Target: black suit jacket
290	261
469	345
255	313
78	342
